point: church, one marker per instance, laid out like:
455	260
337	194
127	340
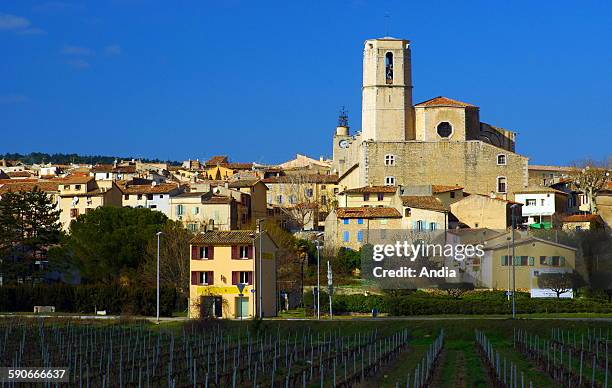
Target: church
440	141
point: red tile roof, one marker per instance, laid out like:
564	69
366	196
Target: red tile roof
28	186
19	174
436	189
217	160
309	178
161	188
371	189
426	202
445	101
584	218
367	212
230	237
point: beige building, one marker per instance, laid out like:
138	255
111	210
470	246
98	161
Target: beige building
200	211
366	211
220	261
440	141
583	222
150	195
604	205
533	256
482	211
257	196
80	194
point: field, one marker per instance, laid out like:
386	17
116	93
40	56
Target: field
385	353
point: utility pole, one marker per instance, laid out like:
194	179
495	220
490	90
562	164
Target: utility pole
158	235
512	207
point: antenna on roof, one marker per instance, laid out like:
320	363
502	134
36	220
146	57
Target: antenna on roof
387	17
343	117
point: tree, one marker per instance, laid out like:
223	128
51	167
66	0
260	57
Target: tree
304	205
589	179
456	290
173	259
558	282
109	243
29	226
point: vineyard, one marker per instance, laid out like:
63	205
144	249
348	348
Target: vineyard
394	353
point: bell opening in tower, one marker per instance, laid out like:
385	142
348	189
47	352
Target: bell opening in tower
389	68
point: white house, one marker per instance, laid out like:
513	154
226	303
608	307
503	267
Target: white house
540	204
153	196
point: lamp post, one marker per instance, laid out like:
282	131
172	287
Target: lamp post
318	245
259	288
512	207
158	237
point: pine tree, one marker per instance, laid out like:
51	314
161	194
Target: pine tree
29	226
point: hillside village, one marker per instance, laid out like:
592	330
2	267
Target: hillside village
426	166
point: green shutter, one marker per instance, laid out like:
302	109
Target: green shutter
503	260
531	261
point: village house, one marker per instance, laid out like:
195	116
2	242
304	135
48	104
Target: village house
541	205
579	222
150	195
233	273
80	194
482	211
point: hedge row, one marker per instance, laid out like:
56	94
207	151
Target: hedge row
419	304
87	299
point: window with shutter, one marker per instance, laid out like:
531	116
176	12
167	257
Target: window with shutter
194	253
235	277
194	277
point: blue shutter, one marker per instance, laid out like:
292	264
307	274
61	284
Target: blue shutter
360	236
345	236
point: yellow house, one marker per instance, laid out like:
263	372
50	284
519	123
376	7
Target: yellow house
583	222
223	261
533	256
80	194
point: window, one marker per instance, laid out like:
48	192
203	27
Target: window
380	196
345	221
501	184
360	236
360	221
139	197
244	252
420	225
389	68
323	187
501	159
77	187
323	200
244	277
452	194
206	277
161	196
152	206
444	129
308	193
389	181
126	197
407	212
292	199
179	210
553	261
345	236
518	260
66	187
366	196
530	202
195	210
432	226
542	202
389	160
206	252
279	199
192	227
74	213
149	196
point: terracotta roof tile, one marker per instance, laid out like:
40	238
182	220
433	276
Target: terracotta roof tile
231	237
216	160
444	189
309	178
28	186
148	189
372	189
426	202
539	189
243	183
445	101
19	174
584	218
367	212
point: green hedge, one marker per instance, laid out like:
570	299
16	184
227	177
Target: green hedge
421	303
87	298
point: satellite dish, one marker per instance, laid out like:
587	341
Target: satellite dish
75	200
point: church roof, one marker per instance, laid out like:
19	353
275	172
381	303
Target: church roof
445	101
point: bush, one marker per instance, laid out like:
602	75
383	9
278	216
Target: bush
473	302
87	299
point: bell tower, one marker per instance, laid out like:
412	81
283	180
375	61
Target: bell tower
387	111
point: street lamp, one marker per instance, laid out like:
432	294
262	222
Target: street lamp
512	207
158	236
318	245
259	288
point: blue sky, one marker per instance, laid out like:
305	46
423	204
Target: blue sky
261	81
